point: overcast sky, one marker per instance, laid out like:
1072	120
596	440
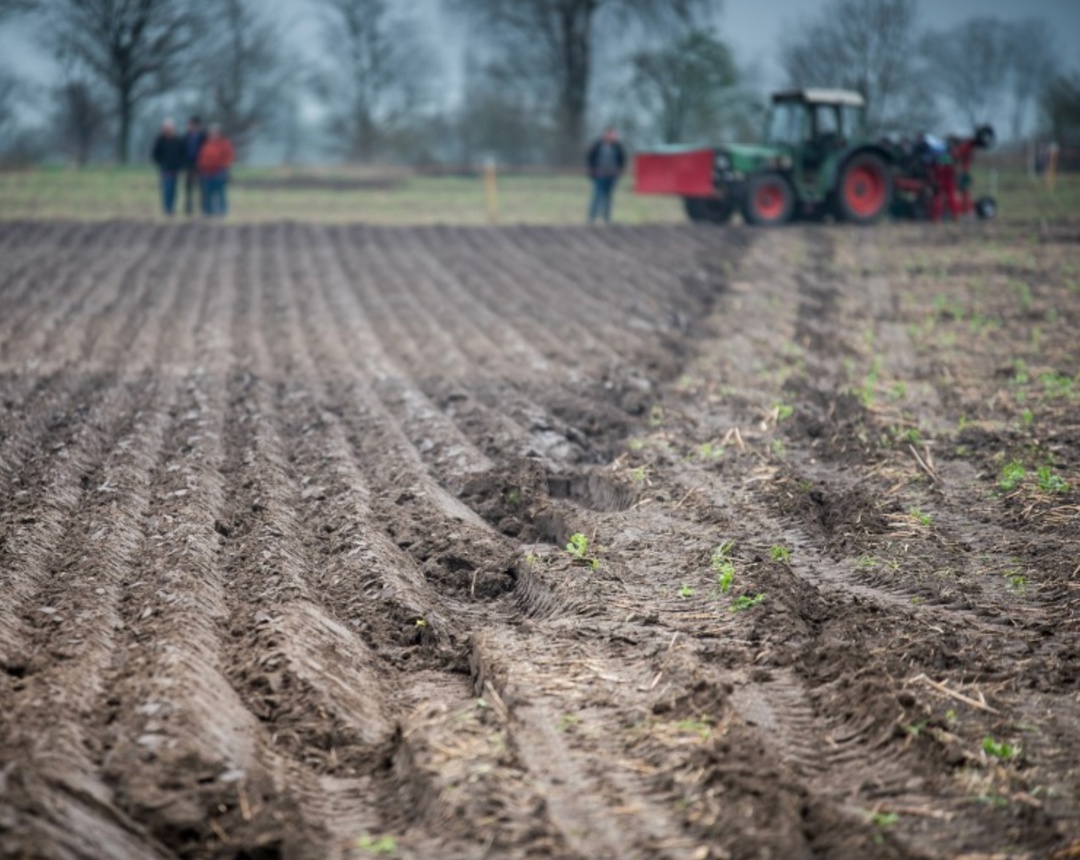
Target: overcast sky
753	27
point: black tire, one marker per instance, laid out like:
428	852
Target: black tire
986	208
769	200
864	189
708	210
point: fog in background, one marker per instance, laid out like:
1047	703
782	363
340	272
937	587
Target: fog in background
459	66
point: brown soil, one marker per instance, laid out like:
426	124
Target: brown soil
283	515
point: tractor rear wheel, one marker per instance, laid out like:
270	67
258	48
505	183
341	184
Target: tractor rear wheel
769	200
708	210
865	189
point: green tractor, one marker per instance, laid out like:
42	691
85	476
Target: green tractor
815	160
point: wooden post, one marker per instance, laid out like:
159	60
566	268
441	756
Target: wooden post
491	190
1051	166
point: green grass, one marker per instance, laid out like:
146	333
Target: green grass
100	193
132	193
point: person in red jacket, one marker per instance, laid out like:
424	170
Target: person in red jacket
215	159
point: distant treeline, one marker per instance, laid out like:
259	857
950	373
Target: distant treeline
539	77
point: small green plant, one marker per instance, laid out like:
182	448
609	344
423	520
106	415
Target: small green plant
744	602
709	451
377	846
568	721
1012	474
514	497
883	819
701	727
778	447
898	391
725	575
999	749
686	591
721	553
579	549
638	475
1017	581
780	553
656	416
920	517
1027	418
783	412
1049	482
636	444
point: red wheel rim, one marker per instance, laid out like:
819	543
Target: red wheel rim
769	201
864	190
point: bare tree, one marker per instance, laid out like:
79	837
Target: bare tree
1061	103
554	41
9	91
971	65
1033	64
685	84
241	69
869	46
375	74
16	7
135	48
80	119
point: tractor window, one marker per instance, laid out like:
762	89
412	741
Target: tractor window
785	123
826	122
853	121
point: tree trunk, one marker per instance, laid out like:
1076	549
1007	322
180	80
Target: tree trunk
574	98
123	139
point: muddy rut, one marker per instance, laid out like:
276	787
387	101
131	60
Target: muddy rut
285	514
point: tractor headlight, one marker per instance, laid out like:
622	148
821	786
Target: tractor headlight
783	162
721	162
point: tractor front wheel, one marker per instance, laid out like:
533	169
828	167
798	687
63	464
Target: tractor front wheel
865	190
769	200
986	208
708	210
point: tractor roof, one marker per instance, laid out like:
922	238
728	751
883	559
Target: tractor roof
828	97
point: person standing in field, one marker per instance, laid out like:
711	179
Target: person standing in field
168	155
215	159
606	161
194	138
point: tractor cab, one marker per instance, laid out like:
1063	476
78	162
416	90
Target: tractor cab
813	124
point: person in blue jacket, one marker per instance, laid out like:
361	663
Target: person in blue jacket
194	138
606	161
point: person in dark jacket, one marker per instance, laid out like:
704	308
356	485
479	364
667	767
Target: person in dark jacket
170	157
194	138
606	161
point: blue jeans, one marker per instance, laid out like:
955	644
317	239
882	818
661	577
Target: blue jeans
214	198
603	191
168	191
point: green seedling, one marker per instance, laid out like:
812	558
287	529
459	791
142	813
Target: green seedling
1012	474
778	447
1049	482
920	517
701	727
915	729
1017	580
656	416
638	475
568	721
514	497
721	553
743	602
725	575
377	846
780	553
783	412
1027	418
883	819
686	591
999	749
636	444
709	451
579	549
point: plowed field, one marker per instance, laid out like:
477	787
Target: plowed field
284	515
